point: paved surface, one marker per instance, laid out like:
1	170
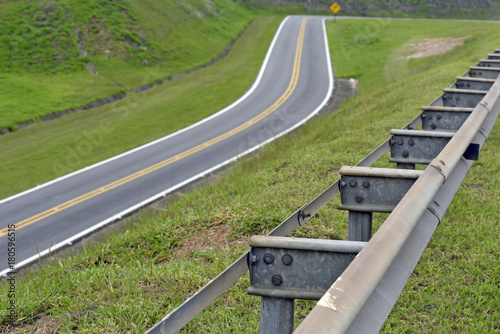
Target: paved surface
294	83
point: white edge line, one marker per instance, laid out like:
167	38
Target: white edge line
118	216
220	112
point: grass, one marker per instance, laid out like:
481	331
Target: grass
83	138
156	39
382	51
40	68
27	96
411	8
134	278
37	38
130	43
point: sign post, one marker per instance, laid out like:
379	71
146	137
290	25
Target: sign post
335	8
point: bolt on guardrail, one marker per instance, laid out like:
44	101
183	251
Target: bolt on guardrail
368	273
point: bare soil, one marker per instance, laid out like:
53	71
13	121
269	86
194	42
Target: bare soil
434	46
216	237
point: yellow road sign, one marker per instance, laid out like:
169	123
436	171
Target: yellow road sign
335	8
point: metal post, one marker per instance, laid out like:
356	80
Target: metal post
359	227
405	166
276	315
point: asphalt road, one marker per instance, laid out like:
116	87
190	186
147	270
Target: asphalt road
295	82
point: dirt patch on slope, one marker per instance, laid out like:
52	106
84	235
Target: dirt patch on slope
213	238
45	325
434	46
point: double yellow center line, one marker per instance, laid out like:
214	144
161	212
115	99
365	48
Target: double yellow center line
276	105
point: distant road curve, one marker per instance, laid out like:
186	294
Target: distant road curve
293	85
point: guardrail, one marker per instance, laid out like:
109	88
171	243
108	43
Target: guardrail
363	294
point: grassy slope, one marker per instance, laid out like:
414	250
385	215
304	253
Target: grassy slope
24	97
172	36
460	9
133	279
40	71
68	142
40	68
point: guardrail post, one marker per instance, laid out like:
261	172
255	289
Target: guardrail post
463	98
405	166
474	83
276	315
435	118
359	226
484	72
284	269
365	190
489	63
417	146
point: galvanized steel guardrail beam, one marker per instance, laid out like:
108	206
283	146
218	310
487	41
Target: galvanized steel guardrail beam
365	310
361	299
185	312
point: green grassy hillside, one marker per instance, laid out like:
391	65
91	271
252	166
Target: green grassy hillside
464	9
136	42
130	43
137	119
134	278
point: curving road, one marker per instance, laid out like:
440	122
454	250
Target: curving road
294	83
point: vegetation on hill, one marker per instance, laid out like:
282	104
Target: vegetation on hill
50	48
134	278
136	120
37	37
479	9
46	46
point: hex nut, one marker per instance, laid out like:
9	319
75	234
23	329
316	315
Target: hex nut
287	259
353	183
277	280
269	258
